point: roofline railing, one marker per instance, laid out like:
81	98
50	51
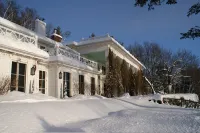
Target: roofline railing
60	51
15	35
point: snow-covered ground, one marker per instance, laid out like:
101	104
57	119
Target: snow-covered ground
94	114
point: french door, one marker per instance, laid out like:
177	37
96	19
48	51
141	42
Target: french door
42	83
81	84
66	84
18	76
92	86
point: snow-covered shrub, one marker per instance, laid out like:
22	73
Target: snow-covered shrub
4	85
75	87
87	89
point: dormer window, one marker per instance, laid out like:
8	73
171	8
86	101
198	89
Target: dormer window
42	47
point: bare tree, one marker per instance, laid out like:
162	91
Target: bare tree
49	29
11	10
27	18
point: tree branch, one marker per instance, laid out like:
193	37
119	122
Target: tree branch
195	9
192	33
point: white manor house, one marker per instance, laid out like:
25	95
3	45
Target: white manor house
35	63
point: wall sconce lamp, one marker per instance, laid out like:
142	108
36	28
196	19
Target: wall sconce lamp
60	75
33	69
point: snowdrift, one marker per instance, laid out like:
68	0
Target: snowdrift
125	95
16	96
81	97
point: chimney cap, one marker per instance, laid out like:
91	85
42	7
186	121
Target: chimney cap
38	20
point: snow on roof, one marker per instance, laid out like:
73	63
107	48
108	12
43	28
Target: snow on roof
71	62
16	27
107	38
71	43
17	46
54	43
54	34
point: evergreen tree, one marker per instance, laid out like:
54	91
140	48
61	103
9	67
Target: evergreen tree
113	81
131	84
118	78
92	35
109	76
124	75
139	83
58	30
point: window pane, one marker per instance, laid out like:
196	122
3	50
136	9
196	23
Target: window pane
43	75
68	76
22	68
43	83
82	78
21	89
40	74
68	85
40	83
21	82
13	80
14	67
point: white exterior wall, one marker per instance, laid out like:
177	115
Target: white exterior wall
32	82
52	80
56	84
6	63
74	80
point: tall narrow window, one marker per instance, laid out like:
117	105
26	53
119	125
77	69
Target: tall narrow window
99	86
66	84
18	76
92	86
103	70
81	84
42	81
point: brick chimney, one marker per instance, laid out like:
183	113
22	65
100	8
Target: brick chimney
56	37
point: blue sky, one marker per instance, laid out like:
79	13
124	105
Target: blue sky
122	20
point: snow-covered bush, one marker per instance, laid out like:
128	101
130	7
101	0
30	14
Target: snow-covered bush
76	87
87	89
4	85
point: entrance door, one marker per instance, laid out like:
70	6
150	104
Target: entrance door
66	84
18	76
92	86
81	84
42	83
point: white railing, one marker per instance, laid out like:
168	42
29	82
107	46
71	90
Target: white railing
4	31
60	51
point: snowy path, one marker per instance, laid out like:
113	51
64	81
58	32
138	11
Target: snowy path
133	114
